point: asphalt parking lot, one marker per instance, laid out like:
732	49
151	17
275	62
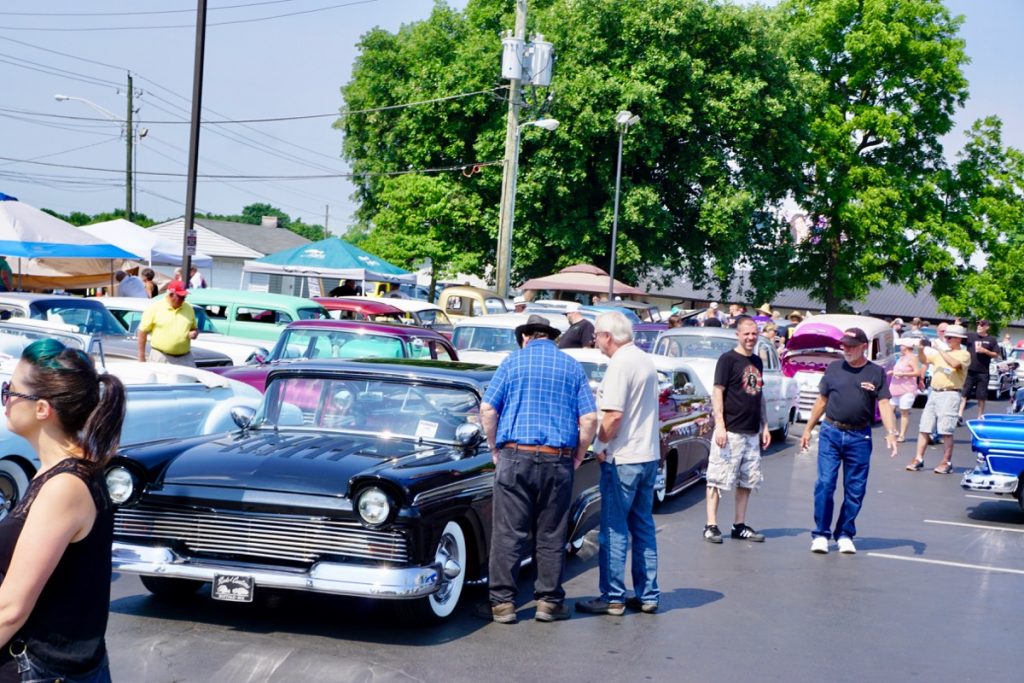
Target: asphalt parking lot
934	594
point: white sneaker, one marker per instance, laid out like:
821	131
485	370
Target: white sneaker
820	545
846	545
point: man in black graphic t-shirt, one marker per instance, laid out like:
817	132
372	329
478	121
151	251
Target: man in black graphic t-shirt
983	347
741	430
848	392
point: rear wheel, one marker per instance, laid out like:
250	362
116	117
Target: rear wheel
452	556
166	587
13	483
782	433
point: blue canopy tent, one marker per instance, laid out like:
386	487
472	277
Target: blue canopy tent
331	258
27	232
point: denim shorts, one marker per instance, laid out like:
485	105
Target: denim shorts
737	464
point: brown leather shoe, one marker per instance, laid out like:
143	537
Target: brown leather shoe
503	613
638	605
551	611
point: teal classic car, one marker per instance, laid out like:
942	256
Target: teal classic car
254	315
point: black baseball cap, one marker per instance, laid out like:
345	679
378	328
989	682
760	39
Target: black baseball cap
853	337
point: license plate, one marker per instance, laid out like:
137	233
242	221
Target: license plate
232	587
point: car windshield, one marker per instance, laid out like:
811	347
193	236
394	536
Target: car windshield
326	343
471	337
433	317
494	305
387	407
203	322
694	345
89	317
645	338
312	313
14	340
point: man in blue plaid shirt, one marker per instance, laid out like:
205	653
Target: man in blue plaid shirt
539	416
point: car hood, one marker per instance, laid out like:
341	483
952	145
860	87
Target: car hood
297	461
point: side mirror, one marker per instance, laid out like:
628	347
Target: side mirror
469	435
242	415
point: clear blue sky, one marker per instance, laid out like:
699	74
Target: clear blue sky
286	66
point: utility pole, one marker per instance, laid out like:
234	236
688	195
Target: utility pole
327	217
193	144
508	193
129	134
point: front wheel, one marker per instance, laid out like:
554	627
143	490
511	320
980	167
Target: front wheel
166	587
782	433
452	557
13	484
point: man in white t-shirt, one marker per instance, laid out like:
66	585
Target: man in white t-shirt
627	447
130	285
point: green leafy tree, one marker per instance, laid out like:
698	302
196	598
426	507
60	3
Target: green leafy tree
79	218
883	80
718	143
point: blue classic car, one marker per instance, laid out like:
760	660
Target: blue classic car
999	442
360	478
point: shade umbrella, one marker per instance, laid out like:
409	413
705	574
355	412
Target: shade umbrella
151	247
580	278
27	232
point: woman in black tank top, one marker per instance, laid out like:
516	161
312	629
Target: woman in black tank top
55	544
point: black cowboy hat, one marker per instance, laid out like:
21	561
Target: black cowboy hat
536	323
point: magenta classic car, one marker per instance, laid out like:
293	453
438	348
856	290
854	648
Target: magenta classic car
815	344
344	339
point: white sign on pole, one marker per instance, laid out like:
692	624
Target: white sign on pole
190	242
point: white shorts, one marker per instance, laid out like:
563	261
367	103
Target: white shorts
906	401
941	412
738	464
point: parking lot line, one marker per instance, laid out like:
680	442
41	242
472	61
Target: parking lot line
974	526
961	565
1004	499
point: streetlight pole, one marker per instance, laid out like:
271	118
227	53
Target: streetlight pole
128	135
624	120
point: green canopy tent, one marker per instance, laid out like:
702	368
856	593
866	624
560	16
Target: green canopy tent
329	258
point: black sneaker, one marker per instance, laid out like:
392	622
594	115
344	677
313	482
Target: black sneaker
743	532
712	534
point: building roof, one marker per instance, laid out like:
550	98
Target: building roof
888	301
236	240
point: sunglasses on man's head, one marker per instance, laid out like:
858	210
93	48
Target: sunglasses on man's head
6	393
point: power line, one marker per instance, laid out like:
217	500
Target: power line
83	29
63	54
145	12
476	165
272	119
55	72
68	151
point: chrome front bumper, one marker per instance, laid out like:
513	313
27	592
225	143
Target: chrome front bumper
323	577
983	480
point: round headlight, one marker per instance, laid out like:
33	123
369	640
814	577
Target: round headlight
120	485
373	506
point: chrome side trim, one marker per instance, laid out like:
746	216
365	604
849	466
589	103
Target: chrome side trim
478	484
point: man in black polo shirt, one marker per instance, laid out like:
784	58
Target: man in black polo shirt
983	347
847	395
580	334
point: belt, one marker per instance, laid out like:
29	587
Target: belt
845	426
533	448
174	355
947	389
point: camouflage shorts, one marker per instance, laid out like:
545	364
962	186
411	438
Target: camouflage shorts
737	464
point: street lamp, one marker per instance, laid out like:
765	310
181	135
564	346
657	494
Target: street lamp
129	134
508	206
624	120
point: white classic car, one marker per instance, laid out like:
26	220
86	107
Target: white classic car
128	311
488	339
700	347
164	401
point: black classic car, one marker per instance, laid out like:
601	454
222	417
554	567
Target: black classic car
361	478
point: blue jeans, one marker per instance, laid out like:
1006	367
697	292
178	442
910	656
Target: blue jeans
627	496
852	450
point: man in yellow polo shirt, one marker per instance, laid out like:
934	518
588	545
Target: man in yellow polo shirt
170	328
949	370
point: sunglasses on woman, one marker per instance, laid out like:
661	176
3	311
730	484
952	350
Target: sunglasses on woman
6	393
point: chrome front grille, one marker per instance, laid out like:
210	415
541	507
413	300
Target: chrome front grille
258	536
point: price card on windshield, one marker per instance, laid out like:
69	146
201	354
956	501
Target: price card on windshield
426	430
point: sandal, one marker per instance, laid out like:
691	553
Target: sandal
915	466
901	439
944	469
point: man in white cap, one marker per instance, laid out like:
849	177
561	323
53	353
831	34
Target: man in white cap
519	304
711	317
949	372
580	334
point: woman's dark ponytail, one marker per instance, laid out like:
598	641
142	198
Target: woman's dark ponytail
102	432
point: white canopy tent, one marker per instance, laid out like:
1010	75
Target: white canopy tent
151	247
